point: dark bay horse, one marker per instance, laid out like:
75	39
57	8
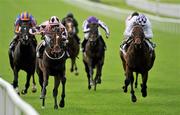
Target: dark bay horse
53	63
73	45
93	57
138	58
23	58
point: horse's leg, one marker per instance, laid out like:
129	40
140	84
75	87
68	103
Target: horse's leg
45	83
28	77
72	64
98	75
136	82
15	81
133	97
88	76
128	74
34	89
62	103
91	75
143	85
75	67
55	90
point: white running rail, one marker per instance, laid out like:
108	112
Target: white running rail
11	103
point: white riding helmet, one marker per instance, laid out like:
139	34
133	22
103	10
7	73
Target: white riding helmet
54	20
141	20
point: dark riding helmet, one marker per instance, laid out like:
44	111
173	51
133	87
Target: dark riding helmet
135	14
70	15
92	19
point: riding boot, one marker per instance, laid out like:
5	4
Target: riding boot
83	45
125	44
100	37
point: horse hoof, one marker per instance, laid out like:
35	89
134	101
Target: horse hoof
42	97
125	89
144	94
42	107
98	81
89	87
34	90
133	98
76	73
23	92
55	106
61	104
135	85
71	70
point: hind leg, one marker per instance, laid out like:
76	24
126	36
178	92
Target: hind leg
15	81
55	90
76	69
62	103
34	89
143	85
28	77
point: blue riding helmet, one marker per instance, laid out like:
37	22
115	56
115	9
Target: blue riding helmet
141	20
92	19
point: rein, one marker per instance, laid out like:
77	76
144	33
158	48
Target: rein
53	57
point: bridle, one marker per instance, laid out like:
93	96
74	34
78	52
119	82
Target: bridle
55	46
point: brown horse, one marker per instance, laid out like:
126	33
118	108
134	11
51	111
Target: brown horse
53	63
73	45
138	58
23	58
93	57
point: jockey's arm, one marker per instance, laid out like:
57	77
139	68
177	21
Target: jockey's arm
127	32
103	26
85	26
148	30
129	25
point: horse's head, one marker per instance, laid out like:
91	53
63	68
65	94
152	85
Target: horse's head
56	46
137	35
70	27
24	34
93	33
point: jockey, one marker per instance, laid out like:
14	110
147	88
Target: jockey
70	15
26	18
46	29
146	25
86	29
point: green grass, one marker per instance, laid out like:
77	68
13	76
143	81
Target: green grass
109	99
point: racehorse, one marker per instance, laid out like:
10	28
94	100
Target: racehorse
23	58
73	45
93	57
53	63
138	58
